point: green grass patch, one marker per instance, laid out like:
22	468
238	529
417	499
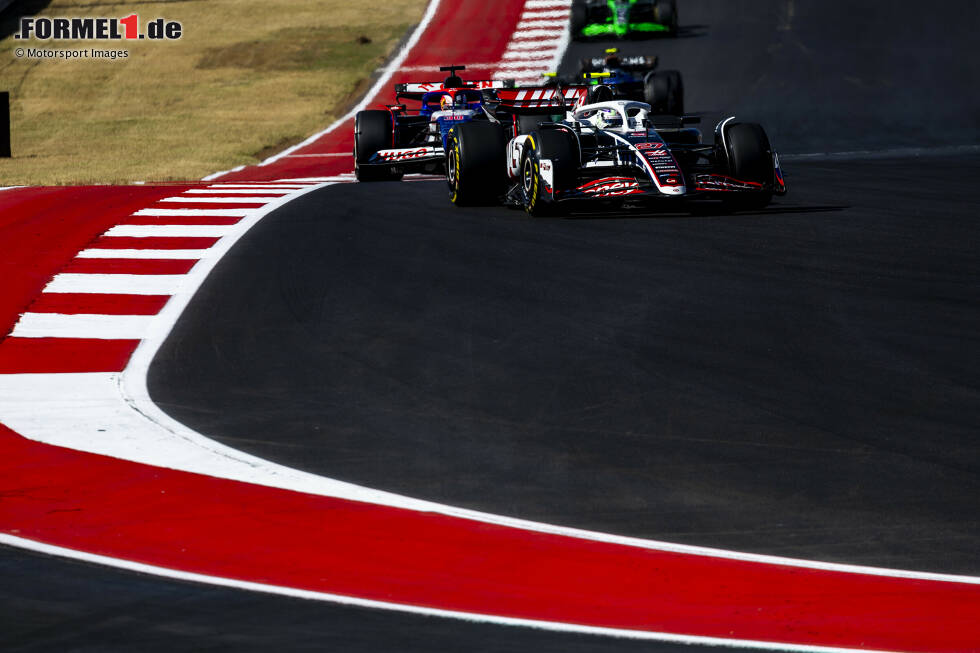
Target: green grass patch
304	49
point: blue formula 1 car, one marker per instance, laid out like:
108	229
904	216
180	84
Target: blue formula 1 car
393	141
634	77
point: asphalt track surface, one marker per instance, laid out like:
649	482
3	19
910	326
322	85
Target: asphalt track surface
796	382
799	381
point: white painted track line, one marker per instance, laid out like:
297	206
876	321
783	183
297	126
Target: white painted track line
314	156
519	65
546	4
117	284
550	13
537	34
541	24
102	327
531	45
220	200
171	213
524	57
143	253
320	180
169	230
258	186
236	191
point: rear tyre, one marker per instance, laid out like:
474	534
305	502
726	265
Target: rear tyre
373	131
579	19
665	13
643	11
527	124
664	92
561	148
476	163
749	159
599	93
675	98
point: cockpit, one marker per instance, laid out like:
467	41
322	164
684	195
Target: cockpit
615	116
449	100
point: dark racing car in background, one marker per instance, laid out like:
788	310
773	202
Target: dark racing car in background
622	18
634	77
393	141
606	153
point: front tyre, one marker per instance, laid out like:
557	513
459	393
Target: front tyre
560	148
750	159
476	163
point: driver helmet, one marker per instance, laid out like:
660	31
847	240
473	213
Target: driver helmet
612	61
607	117
445	103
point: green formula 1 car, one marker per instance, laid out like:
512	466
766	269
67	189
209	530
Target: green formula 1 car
623	18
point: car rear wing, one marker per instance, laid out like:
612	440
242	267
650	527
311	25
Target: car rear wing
540	99
415	90
632	62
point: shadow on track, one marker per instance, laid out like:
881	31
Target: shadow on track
706	210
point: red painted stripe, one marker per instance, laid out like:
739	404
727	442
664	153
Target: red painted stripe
42	229
248	532
64	355
153	242
182	219
98	304
130	266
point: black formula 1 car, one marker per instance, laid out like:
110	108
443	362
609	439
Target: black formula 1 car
606	153
392	141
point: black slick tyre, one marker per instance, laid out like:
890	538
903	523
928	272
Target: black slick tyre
579	19
665	13
664	92
372	132
476	163
675	97
599	93
749	157
560	148
527	124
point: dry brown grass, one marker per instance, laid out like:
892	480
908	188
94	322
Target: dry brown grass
247	78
